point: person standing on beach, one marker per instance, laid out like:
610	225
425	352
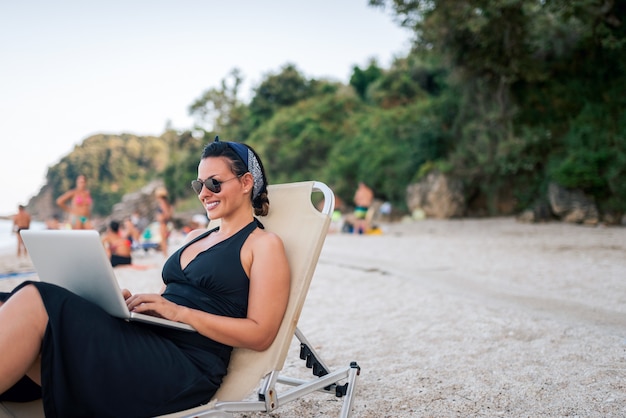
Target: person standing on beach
363	199
21	221
164	212
130	232
80	205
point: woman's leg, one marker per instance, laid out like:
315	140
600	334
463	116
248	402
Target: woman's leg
23	322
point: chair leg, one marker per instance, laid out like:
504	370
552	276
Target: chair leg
321	370
348	400
269	398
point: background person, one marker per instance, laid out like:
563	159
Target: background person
53	222
80	205
117	247
21	221
234	296
132	234
363	199
164	213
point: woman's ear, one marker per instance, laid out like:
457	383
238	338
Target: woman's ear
248	182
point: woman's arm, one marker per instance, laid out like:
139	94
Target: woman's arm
106	243
64	198
166	210
267	300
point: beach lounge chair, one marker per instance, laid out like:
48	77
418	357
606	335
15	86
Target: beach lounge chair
303	229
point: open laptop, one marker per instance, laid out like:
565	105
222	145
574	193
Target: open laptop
76	260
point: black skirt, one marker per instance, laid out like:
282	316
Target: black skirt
93	364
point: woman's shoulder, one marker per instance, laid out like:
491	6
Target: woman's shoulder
265	239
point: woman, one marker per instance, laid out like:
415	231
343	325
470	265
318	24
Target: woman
117	247
164	212
230	283
80	206
131	233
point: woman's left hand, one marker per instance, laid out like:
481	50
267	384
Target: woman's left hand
153	304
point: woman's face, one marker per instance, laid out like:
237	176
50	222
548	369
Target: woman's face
231	195
81	182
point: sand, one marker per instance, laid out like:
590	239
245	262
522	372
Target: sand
460	318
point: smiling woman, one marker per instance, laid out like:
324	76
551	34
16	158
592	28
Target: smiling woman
220	281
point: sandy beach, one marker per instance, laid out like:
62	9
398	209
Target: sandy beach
458	318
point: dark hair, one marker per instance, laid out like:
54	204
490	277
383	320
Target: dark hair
115	226
239	167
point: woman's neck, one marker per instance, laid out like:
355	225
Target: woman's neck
233	224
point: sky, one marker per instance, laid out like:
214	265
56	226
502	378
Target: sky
70	69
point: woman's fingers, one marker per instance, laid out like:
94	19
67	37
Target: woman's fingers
152	304
139	299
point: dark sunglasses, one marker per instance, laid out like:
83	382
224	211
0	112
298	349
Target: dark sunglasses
214	186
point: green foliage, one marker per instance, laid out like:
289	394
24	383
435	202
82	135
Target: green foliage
525	71
441	166
581	169
412	78
296	142
388	148
277	91
361	79
595	154
183	166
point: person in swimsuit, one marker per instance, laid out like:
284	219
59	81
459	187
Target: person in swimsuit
21	221
132	234
363	198
117	247
230	283
80	207
164	213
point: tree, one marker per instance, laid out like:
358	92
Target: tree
362	79
183	166
415	77
277	91
220	108
525	71
296	141
387	147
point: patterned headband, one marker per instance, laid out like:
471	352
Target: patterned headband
252	164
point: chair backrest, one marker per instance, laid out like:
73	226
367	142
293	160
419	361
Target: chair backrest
303	230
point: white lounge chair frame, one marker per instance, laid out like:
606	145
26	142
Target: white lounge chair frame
303	230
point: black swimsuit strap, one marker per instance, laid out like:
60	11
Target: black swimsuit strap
210	231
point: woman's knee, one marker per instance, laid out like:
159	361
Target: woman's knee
32	292
29	298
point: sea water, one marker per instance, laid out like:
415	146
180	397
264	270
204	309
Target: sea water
8	240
